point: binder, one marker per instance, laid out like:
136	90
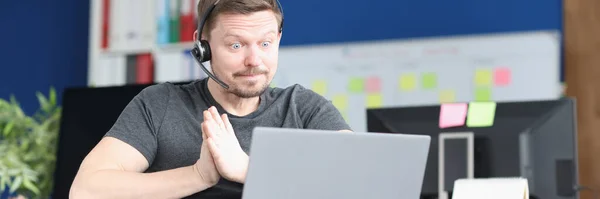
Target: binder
131	65
105	24
174	21
144	69
187	20
162	19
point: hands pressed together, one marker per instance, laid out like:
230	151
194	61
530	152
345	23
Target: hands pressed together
221	153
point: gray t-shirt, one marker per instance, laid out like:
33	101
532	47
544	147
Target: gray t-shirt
163	123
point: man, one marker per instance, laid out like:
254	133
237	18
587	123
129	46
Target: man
193	140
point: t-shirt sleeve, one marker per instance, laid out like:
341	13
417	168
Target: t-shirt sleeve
318	112
140	120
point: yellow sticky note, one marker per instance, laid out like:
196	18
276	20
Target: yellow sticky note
483	94
320	87
429	80
483	77
407	82
481	114
447	96
374	100
340	101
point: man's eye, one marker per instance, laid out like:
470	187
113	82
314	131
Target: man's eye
266	44
236	46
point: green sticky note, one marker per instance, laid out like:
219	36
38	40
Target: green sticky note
340	101
407	82
483	94
320	87
483	77
356	85
481	114
429	80
374	100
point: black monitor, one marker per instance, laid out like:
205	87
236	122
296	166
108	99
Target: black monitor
88	113
534	139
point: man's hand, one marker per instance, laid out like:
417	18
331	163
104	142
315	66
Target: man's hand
230	159
205	166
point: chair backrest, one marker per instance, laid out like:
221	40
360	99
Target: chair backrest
88	113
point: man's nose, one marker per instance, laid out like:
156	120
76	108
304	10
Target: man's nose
253	57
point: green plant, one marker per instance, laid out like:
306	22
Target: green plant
28	146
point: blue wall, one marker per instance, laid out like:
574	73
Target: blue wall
350	20
43	44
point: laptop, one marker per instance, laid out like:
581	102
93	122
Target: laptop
319	164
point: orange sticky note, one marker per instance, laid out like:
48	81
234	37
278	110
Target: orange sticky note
373	85
502	76
452	115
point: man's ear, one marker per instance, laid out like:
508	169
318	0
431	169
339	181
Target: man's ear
196	36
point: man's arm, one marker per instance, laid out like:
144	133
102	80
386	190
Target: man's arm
113	169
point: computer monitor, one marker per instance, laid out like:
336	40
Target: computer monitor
534	139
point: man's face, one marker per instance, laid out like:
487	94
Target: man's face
244	51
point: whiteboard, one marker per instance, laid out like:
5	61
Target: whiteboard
493	67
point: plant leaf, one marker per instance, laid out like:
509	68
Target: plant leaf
52	95
27	184
42	100
8	128
16	184
13	172
3	181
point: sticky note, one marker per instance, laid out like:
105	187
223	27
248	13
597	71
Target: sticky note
374	100
407	82
481	114
320	87
429	80
356	85
273	85
483	94
447	96
502	76
374	84
340	101
483	77
452	115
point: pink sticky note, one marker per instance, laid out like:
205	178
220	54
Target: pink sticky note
452	115
373	85
502	76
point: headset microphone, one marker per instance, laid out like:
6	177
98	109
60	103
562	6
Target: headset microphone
201	51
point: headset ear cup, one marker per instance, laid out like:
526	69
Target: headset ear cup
206	54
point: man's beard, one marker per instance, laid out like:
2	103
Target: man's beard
241	93
244	93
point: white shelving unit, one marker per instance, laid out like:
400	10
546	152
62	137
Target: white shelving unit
99	72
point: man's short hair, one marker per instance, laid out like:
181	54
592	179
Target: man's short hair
235	7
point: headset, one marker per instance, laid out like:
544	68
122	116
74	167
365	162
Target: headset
201	50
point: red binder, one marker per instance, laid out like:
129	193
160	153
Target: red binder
144	69
105	23
186	19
